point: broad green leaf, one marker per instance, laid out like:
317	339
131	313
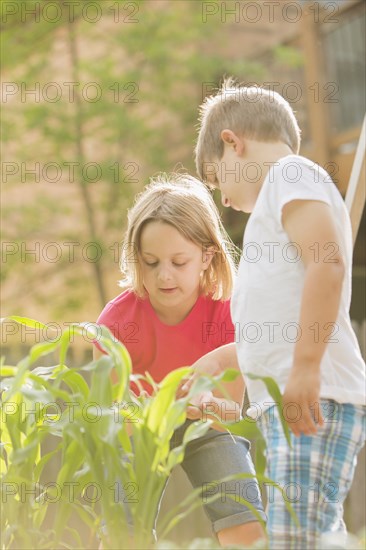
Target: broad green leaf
76	382
164	397
25	321
176	457
75	534
276	395
260	456
43	348
3	466
229	375
44	460
46	372
7	371
196	430
40	514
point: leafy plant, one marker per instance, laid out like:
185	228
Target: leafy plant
83	420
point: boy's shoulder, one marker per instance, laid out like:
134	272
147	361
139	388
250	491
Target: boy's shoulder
295	172
291	178
292	165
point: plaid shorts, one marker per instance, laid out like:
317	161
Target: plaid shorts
315	475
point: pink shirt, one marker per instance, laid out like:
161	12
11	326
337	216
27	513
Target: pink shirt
159	348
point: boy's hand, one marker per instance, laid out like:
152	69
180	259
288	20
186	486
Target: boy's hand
301	402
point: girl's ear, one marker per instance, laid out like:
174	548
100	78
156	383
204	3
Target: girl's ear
207	256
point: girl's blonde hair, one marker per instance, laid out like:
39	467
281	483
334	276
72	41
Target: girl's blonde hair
251	112
183	202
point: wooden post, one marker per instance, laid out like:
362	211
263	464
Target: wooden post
356	191
314	80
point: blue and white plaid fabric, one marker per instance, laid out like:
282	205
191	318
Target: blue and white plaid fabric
315	475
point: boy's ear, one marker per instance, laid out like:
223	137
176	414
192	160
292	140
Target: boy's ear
232	140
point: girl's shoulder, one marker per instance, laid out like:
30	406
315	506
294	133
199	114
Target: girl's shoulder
123	304
215	307
126	297
215	321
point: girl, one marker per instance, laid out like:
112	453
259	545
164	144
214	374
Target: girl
178	278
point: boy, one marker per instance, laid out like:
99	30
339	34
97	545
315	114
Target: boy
290	306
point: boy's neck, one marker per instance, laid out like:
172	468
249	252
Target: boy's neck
267	154
264	156
277	151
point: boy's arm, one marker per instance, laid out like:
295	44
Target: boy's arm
310	225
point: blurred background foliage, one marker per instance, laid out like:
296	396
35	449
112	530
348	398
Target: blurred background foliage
99	96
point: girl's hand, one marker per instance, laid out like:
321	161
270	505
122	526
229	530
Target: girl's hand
142	395
207	406
184	387
205	365
198	404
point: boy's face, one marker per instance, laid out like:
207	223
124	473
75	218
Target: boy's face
237	179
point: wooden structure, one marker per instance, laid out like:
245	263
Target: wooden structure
356	192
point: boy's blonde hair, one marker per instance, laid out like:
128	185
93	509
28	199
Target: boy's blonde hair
251	112
183	202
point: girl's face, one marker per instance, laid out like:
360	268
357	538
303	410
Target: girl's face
171	268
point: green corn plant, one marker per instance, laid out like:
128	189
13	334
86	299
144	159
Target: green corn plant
89	423
103	437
